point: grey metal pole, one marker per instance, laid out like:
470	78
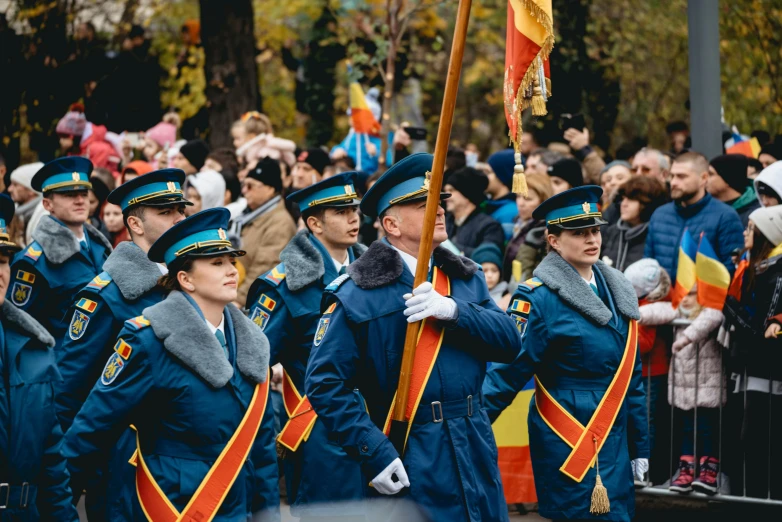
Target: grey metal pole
704	55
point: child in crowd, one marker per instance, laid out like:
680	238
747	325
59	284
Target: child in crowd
205	190
161	137
696	388
70	129
112	218
652	287
254	139
489	256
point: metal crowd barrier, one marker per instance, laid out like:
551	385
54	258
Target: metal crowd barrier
723	480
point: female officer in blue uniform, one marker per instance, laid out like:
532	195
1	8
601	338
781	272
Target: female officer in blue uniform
33	475
577	320
191	376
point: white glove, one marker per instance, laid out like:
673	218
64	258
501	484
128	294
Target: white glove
385	485
426	302
640	467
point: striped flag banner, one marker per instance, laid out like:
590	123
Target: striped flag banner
685	271
510	432
713	278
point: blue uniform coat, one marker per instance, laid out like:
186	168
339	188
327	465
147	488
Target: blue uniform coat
30	436
52	269
573	341
296	287
186	399
121	292
452	465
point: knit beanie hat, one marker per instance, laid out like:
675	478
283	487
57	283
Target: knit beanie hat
210	185
773	150
769	221
164	134
316	157
24	174
100	189
74	121
195	151
268	172
471	183
502	163
569	170
733	169
649	279
487	253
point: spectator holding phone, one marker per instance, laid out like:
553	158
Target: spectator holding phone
577	136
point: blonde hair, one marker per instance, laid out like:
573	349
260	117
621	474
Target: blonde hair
254	122
540	184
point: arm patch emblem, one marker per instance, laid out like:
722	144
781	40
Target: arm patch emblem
78	325
27	277
20	293
320	332
113	368
260	318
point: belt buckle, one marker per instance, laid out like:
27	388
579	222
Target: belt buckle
469	405
7	494
24	495
434	412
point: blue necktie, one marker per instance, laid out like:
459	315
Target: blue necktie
594	289
342	270
221	338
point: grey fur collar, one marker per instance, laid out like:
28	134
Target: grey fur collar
382	265
187	337
559	276
132	271
59	243
304	263
26	323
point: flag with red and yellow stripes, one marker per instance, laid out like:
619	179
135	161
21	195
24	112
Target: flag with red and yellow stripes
529	40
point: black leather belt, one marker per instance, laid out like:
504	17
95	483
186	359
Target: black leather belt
437	411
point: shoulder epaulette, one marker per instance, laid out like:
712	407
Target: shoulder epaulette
33	251
137	323
99	281
332	287
275	275
530	284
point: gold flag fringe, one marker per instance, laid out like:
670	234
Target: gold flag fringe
530	83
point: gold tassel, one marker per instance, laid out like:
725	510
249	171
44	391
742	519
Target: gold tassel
600	503
538	104
519	180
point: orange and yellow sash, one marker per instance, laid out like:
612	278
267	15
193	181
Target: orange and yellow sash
218	481
301	416
430	338
587	441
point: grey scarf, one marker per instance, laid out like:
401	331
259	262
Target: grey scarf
235	233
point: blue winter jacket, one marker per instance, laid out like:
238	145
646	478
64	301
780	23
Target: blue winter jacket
33	474
719	222
352	374
505	211
171	380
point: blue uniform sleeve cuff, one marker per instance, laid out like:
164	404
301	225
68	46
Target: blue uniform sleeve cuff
376	452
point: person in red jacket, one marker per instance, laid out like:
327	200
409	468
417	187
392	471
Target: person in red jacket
653	286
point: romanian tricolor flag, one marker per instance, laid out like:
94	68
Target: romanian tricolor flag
510	432
361	116
738	276
685	271
713	277
749	147
529	40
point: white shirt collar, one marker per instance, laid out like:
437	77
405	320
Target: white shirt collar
220	327
163	268
409	260
339	265
592	281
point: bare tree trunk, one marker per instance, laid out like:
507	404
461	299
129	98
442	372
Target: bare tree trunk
230	69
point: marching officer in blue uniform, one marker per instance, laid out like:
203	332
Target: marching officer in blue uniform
191	374
450	461
151	204
66	252
579	339
33	475
285	303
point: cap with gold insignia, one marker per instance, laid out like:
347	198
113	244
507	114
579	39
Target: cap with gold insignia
572	209
68	174
201	235
160	188
405	182
336	191
7	210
